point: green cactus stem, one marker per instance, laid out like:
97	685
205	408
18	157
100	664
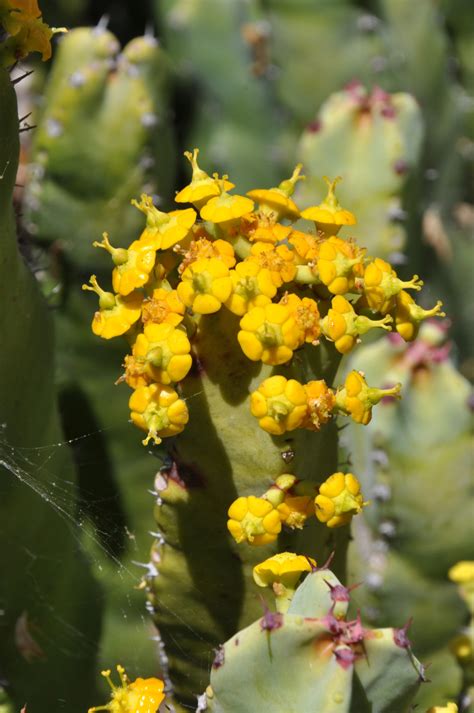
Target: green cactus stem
50	612
336	664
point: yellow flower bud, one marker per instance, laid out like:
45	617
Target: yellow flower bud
276	201
253	520
381	285
320	404
164	351
144	695
343	326
163	306
225	208
448	708
158	410
339	499
205	285
164	229
408	315
279	404
202	186
328	215
338	264
116	314
252	286
356	398
269	334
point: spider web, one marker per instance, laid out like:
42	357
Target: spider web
129	636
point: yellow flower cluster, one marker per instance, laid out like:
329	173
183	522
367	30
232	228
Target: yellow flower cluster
289	287
289	502
144	695
24	31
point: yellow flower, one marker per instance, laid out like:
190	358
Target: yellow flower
144	695
269	334
276	202
204	248
21	19
339	499
462	646
462	572
258	227
356	398
291	499
133	266
253	520
320	404
279	404
163	306
225	208
164	229
328	215
448	708
343	326
135	374
205	285
116	314
279	260
408	315
282	573
338	264
381	285
306	246
284	568
202	186
295	510
252	286
306	314
158	410
164	351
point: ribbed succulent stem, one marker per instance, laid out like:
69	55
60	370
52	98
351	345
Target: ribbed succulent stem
204	591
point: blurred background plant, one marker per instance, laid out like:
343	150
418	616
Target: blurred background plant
379	92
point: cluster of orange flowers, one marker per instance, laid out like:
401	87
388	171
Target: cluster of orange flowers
288	286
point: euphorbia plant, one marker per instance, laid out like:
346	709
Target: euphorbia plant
237	320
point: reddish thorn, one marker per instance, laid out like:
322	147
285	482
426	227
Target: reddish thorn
314	126
270	620
328	562
400	635
219	658
400	167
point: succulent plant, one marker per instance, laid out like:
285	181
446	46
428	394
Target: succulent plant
336	663
416	472
50	616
